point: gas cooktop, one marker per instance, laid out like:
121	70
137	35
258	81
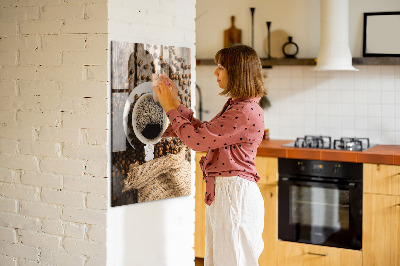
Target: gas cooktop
325	142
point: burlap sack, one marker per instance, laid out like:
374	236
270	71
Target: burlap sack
165	177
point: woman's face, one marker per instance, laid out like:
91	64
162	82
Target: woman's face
222	76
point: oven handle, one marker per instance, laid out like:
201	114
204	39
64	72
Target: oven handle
297	181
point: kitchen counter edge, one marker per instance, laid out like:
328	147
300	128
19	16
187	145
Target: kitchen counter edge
379	154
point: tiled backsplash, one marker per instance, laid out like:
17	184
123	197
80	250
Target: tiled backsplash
338	104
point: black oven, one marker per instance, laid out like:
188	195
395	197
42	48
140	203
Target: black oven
320	202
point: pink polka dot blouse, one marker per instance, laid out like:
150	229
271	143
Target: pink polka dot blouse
231	139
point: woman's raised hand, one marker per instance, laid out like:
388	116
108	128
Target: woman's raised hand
164	93
174	91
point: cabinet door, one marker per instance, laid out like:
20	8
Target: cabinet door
270	233
297	254
381	230
267	168
381	179
200	206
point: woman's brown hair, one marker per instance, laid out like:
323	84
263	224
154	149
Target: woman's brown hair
245	78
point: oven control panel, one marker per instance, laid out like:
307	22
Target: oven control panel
330	169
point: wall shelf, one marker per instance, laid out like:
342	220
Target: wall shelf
376	61
312	61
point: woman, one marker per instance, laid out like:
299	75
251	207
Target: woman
235	207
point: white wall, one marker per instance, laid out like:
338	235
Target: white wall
338	104
53	121
159	232
299	18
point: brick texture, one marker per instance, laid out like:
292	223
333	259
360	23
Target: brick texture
8	234
87	216
53	227
61	258
54	79
53	55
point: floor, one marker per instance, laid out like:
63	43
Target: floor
198	261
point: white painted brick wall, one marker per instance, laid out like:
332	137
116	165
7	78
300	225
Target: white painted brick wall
35	239
8	205
19	251
53	227
75	230
53	121
95	201
97	234
41	179
87	216
39	88
62	166
97	169
8	234
86	183
40	210
7	175
6	260
53	139
61	258
19	221
20	192
63	197
61	135
87	89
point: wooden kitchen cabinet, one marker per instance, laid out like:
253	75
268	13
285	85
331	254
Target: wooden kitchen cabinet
298	254
267	168
381	230
381	215
270	233
200	207
381	179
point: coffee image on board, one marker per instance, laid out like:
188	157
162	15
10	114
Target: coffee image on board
144	165
149	118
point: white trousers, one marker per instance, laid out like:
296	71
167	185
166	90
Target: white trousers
234	223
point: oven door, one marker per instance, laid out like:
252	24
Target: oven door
320	212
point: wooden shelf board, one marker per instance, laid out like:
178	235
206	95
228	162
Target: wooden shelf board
376	61
265	62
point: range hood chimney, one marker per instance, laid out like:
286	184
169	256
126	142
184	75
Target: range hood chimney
334	51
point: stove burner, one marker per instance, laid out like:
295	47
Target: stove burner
351	144
324	142
308	141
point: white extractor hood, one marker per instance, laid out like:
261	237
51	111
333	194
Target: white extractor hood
334	51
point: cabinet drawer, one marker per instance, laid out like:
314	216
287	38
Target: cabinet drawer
293	254
381	179
267	168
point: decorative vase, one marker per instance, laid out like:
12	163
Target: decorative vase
290	49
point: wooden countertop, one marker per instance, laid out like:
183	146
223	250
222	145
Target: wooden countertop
379	154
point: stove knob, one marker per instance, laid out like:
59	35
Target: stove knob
301	166
336	169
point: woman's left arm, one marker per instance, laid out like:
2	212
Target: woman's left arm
186	113
228	129
166	92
